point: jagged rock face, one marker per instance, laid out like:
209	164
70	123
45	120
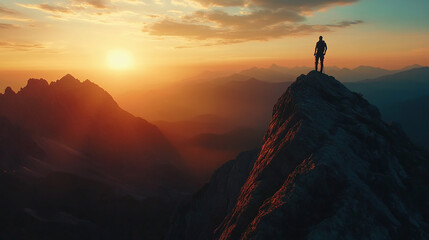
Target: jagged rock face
199	215
84	117
329	168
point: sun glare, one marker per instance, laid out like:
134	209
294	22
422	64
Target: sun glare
119	59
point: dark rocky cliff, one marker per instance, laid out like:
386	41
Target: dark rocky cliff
329	168
111	143
74	165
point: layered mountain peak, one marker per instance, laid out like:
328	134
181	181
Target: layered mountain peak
36	82
35	85
329	168
68	81
86	119
9	91
68	77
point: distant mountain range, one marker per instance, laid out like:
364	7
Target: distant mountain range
277	73
394	88
227	97
233	103
401	97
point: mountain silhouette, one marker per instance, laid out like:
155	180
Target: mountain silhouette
394	88
68	116
227	99
342	74
329	168
402	98
276	73
269	75
74	165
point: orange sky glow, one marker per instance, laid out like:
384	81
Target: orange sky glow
163	40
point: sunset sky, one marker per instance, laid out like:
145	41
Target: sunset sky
139	35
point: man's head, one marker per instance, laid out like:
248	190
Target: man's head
320	38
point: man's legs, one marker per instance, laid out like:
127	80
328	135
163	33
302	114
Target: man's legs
317	61
321	63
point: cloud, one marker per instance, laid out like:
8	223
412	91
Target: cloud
95	3
178	3
83	10
16	18
47	8
193	31
216	36
233	21
257	19
7	11
134	2
222	3
345	23
21	46
53	9
295	4
8	14
7	26
88	6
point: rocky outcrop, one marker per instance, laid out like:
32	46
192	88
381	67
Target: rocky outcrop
329	168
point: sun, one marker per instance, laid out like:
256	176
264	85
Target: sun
119	59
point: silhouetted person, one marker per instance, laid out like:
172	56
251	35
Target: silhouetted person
319	52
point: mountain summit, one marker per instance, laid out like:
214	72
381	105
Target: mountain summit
80	118
329	168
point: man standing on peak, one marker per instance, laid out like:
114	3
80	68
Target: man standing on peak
319	52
